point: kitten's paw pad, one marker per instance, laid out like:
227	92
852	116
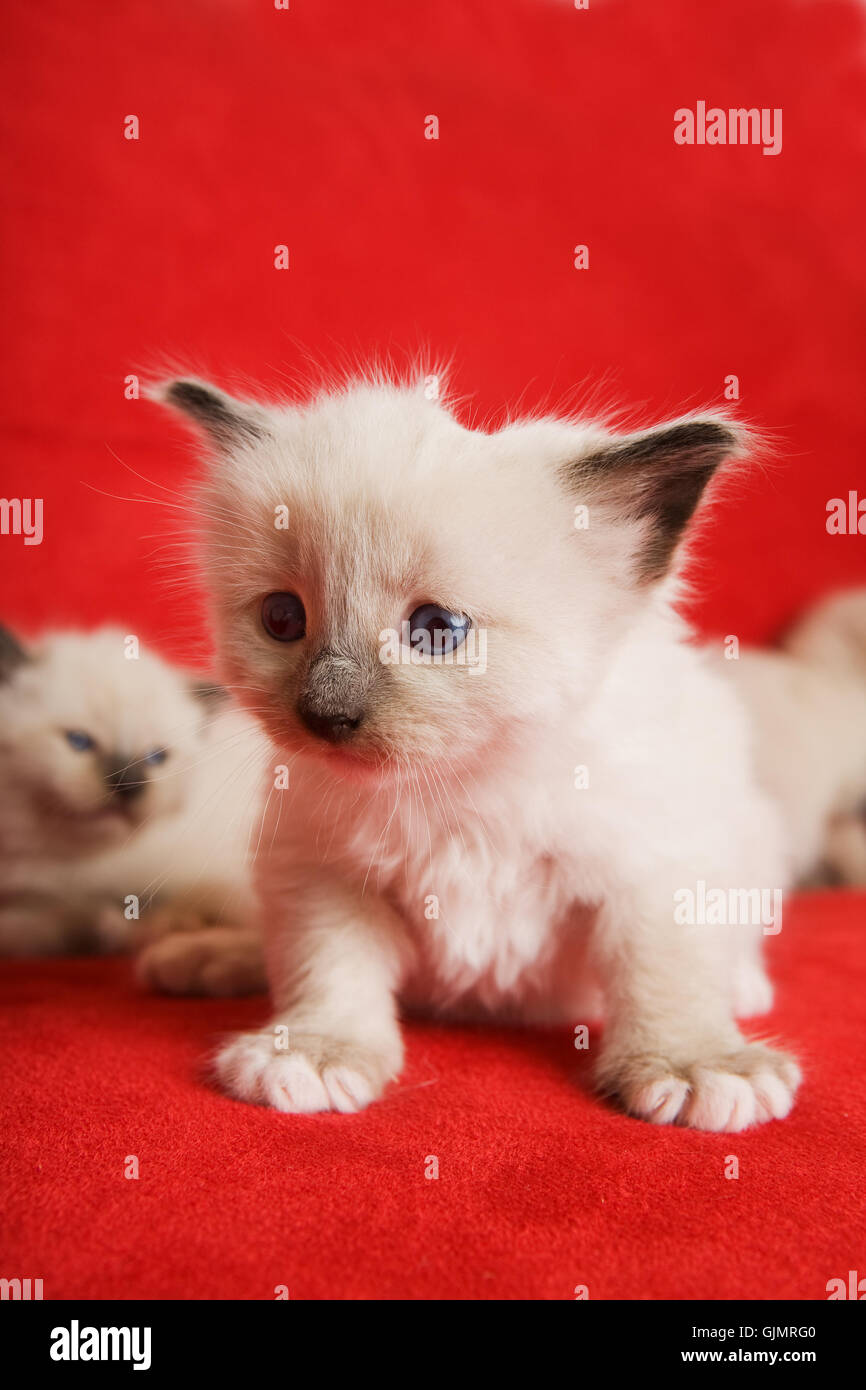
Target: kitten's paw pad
218	961
303	1072
723	1093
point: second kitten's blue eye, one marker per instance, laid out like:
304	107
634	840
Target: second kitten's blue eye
435	629
156	756
283	617
79	740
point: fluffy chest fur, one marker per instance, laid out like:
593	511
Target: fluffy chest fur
480	894
487	925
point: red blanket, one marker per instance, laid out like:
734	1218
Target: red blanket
541	1187
305	128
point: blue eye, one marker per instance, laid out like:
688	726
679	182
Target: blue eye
283	617
80	741
156	756
434	629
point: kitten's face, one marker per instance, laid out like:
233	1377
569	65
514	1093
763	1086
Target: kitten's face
94	743
338	535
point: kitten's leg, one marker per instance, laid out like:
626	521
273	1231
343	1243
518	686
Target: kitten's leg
45	927
671	1050
28	930
334	1041
752	992
845	850
199	959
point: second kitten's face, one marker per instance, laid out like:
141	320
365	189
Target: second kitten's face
390	588
92	745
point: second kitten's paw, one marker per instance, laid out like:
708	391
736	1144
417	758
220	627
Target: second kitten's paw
301	1073
727	1091
212	960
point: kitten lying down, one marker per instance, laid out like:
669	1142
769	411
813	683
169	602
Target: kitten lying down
123	779
509	769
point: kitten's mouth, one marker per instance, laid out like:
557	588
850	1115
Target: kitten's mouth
107	817
349	761
89	818
119	812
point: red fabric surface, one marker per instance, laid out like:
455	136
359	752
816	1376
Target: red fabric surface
305	127
541	1186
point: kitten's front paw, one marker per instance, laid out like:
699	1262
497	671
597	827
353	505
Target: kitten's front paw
301	1073
218	961
727	1091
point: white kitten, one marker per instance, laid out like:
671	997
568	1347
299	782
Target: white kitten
437	846
807	705
113	774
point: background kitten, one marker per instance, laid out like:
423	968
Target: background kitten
807	705
119	777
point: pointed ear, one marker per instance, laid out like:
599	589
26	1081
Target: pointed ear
655	479
223	420
12	654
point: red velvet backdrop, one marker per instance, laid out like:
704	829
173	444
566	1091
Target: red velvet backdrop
260	127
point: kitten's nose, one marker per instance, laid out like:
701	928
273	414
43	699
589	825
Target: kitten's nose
331	700
334	727
125	781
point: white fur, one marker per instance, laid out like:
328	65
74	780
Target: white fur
70	855
806	704
554	902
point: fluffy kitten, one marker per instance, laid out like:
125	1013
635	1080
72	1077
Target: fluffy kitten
508	836
807	705
112	775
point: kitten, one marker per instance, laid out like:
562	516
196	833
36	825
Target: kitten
808	695
807	705
111	779
509	834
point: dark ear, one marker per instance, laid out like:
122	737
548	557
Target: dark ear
12	654
656	478
224	420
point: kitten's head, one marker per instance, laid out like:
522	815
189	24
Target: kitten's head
337	535
93	744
